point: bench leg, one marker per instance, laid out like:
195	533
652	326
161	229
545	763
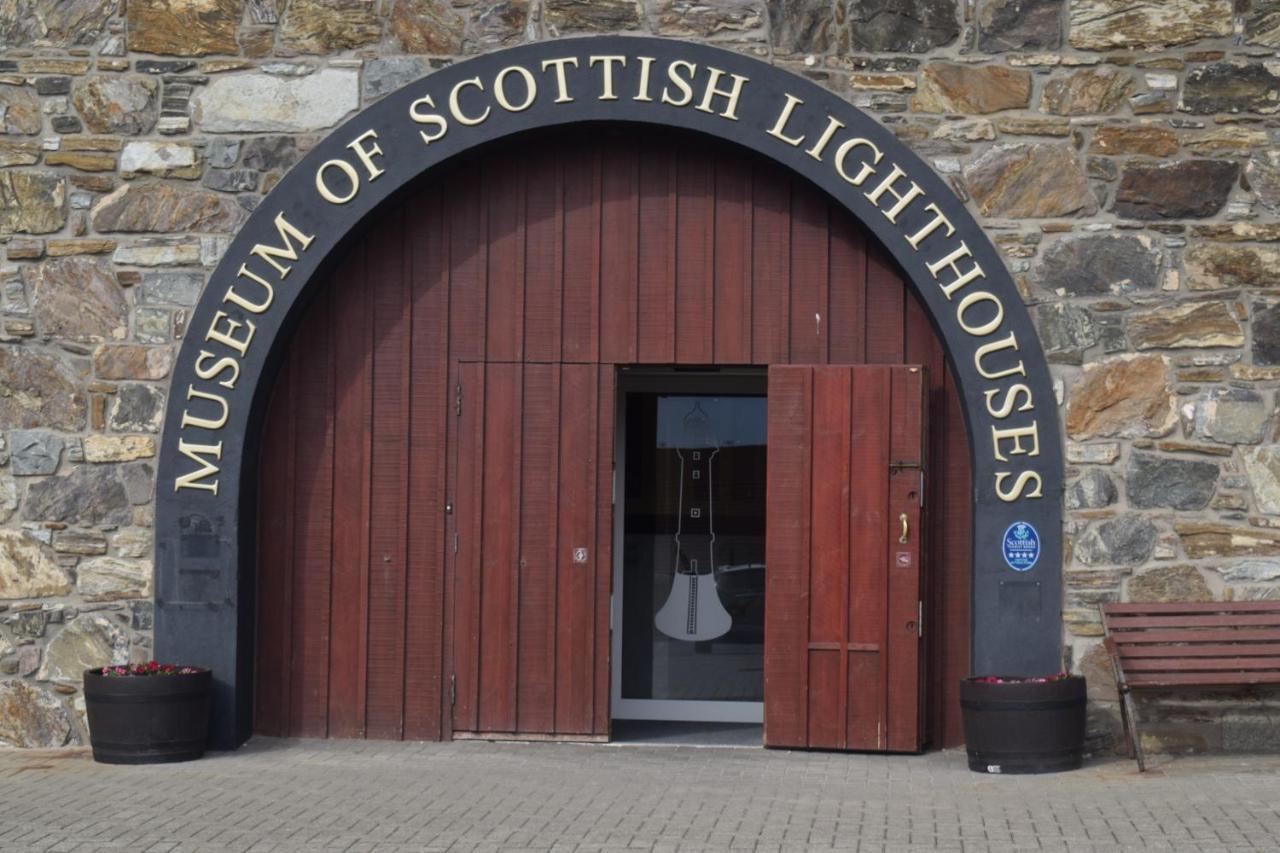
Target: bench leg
1126	724
1134	738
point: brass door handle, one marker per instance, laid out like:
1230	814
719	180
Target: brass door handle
902	540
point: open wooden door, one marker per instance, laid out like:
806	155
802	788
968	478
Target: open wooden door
843	585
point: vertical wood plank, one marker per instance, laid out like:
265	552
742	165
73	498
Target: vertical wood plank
657	262
603	564
848	297
504	212
538	511
500	544
619	252
544	256
388	496
275	561
733	250
869	528
428	417
313	509
575	586
903	560
468	514
787	550
353	363
829	562
770	267
810	319
468	277
580	326
885	309
695	257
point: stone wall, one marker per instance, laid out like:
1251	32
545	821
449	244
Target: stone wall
1122	153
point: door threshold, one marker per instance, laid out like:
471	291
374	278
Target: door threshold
530	737
687	733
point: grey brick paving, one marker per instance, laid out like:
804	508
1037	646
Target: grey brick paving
286	795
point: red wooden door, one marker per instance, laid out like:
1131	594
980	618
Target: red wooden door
532	523
843	590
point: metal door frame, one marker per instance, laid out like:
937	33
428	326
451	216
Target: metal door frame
710	380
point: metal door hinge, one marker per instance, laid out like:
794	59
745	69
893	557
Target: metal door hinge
453	689
457	400
919	618
455	543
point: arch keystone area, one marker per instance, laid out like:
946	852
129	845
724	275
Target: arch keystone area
221	381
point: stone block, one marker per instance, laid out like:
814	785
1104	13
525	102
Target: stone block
184	27
87	642
256	102
1232	87
1179	190
1228	415
54	23
1126	540
384	75
165	207
950	88
19	111
902	26
802	26
29	568
1029	180
1092	490
1215	539
1128	24
32	202
1266	332
1185	324
1262	465
1005	25
32	717
34	453
104	577
594	16
116	104
77	299
88	495
1088	91
118	448
129	361
51	395
1169	584
694	19
1128	396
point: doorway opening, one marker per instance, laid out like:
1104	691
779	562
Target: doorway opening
689	520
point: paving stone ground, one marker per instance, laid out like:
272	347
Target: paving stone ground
294	795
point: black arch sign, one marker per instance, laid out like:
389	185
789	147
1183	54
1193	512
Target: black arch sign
206	477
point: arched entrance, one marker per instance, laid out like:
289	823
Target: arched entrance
513	285
205	518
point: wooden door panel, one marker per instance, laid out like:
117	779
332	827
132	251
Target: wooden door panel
842	660
529	561
787	508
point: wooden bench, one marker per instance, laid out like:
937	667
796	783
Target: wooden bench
1210	644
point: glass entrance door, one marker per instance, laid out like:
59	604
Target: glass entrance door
689	585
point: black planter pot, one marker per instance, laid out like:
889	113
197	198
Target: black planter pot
1024	728
148	719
